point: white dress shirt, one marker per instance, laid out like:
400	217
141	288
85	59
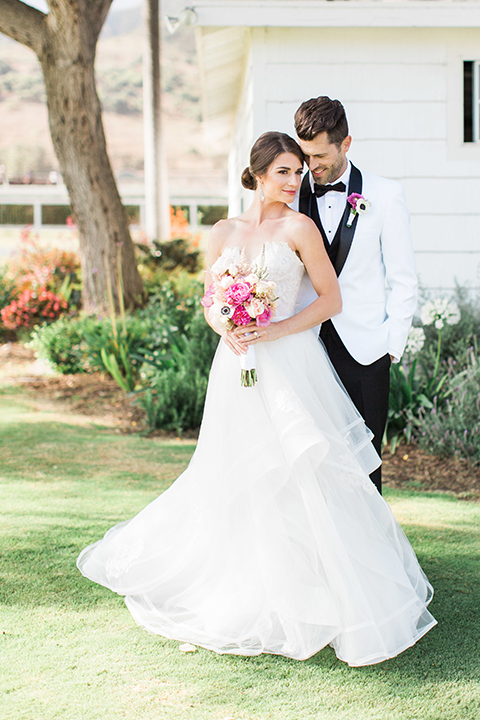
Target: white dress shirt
331	206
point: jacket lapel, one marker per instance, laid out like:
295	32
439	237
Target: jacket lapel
346	233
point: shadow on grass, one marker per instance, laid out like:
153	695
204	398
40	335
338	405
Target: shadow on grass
30	447
39	569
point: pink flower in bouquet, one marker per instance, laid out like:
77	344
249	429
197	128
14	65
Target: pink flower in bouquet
207	299
241	316
238	293
265	318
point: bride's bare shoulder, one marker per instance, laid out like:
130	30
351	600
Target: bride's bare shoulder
299	220
300	225
223	228
219	237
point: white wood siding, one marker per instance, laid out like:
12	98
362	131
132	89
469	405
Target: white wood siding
401	90
243	139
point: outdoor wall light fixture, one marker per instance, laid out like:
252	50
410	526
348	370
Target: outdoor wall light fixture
188	18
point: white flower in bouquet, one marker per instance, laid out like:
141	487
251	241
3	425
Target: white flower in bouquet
415	340
255	308
234	269
222	311
440	311
266	289
226	281
221	265
252	279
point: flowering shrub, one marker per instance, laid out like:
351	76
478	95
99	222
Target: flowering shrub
453	429
440	312
6	293
435	390
179	225
32	307
415	341
39	267
418	383
43	284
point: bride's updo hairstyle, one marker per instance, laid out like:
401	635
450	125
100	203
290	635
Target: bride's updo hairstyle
266	149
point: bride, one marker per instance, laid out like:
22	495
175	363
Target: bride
274	540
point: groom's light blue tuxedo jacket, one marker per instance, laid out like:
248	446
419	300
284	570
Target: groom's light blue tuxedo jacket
378	281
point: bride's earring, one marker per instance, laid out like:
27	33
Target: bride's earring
262	196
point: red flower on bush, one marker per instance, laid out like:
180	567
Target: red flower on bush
40	267
31	307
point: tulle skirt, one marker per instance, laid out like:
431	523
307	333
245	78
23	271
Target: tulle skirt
274	540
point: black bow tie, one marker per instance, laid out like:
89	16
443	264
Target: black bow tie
320	190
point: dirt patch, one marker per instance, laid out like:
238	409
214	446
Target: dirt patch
94	396
412	467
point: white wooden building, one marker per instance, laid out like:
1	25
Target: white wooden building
408	73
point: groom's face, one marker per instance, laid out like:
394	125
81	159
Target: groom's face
325	160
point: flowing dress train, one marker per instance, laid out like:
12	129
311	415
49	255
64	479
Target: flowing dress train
274	539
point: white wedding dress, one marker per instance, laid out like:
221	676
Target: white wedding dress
273	540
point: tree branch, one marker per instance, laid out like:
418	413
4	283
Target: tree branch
22	23
95	11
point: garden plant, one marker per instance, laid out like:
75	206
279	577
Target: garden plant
161	353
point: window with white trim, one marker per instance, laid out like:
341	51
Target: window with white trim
471	101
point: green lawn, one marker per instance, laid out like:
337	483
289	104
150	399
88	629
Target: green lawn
71	651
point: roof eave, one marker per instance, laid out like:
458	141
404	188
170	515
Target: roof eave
338	13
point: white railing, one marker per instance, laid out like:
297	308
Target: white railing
131	194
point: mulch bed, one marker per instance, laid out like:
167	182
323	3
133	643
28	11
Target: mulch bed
415	468
94	394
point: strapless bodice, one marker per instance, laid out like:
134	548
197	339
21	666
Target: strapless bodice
284	268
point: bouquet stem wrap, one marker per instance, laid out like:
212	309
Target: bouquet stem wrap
247	363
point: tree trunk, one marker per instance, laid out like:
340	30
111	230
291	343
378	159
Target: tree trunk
65	42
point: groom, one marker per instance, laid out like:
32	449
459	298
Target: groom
371	251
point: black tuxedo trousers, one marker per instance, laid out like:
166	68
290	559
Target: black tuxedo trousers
367	385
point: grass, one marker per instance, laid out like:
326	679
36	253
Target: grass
71	651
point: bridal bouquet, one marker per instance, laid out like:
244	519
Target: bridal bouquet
241	294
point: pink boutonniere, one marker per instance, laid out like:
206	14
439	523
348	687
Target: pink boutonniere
359	205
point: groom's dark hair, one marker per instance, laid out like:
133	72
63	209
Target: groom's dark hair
319	115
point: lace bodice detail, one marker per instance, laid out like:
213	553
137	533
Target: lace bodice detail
284	267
